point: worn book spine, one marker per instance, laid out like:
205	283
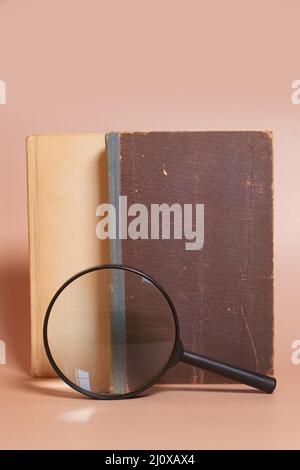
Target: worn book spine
118	305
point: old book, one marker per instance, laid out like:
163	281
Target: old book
221	281
67	180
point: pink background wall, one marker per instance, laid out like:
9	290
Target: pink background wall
91	65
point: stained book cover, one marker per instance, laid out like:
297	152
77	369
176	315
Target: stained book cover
222	281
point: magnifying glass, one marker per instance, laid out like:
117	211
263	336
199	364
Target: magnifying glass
112	331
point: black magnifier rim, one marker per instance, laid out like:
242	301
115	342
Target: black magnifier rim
119	396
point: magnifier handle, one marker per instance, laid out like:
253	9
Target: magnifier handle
259	381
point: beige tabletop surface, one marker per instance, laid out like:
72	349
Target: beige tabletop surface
47	414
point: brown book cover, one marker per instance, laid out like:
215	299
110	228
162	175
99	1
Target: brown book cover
222	285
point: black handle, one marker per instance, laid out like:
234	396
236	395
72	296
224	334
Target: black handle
259	381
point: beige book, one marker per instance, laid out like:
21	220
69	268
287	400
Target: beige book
67	180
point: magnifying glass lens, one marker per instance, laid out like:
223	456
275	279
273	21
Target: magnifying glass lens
110	332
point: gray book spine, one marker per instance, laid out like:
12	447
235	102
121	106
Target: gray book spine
118	310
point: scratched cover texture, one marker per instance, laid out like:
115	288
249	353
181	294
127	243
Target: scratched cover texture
223	293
